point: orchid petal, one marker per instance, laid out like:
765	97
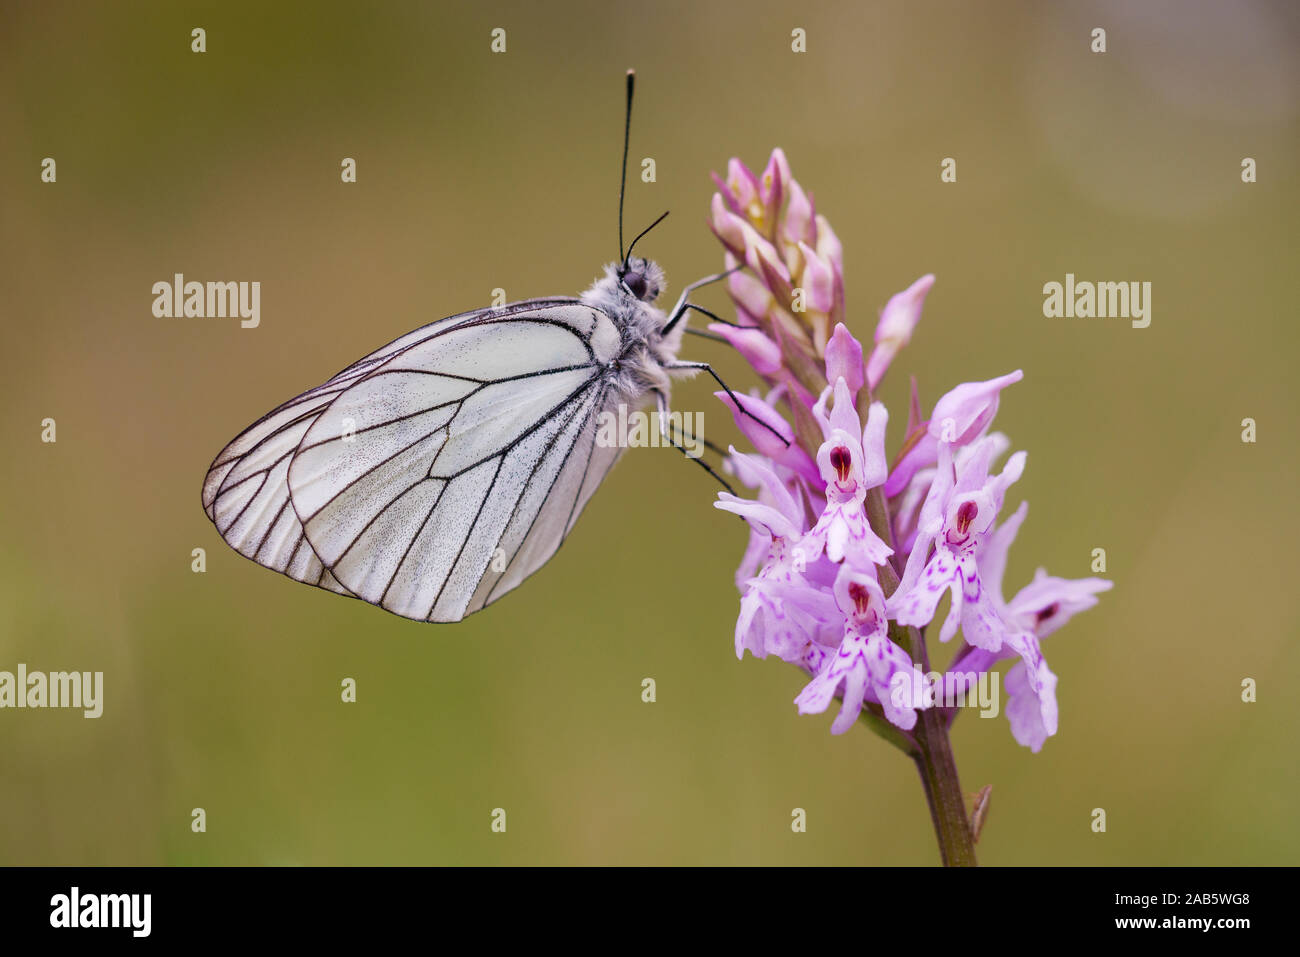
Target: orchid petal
980	621
844	416
993	555
875	465
963	414
1048	602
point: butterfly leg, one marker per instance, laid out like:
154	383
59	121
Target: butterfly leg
679	310
713	447
704	335
736	402
661	401
716	318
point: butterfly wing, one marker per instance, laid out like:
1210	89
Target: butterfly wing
246	491
436	474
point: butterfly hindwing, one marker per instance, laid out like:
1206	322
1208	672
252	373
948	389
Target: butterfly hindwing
558	485
246	493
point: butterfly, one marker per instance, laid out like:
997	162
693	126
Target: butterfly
436	474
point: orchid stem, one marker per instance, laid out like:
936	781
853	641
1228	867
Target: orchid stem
938	771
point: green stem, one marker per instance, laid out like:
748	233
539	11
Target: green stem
938	771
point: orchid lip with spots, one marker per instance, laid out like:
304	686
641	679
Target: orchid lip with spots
851	551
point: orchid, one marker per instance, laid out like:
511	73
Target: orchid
866	661
957	513
765	624
849	557
1037	610
850	461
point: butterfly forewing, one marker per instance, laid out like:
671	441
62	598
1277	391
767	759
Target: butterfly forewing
262	444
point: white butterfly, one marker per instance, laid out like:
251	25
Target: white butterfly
433	476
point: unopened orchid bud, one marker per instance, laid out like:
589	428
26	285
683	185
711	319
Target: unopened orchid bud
818	281
727	226
773	183
797	226
744	188
757	349
828	245
894	330
763	259
749	294
724	191
748	412
844	359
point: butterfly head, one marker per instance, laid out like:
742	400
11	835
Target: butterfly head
642	278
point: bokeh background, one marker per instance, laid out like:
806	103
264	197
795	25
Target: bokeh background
479	171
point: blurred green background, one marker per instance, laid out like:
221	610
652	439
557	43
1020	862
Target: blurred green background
479	171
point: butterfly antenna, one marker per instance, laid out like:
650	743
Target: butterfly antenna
640	234
622	186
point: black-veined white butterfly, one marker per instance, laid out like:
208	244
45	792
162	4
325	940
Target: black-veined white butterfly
433	476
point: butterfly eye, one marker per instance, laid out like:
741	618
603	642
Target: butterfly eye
636	282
